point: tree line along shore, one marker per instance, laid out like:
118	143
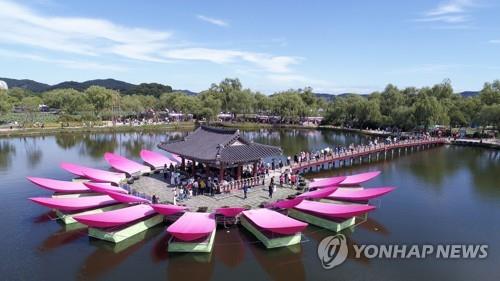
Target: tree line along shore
404	109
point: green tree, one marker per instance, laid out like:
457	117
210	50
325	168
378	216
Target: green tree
490	115
101	98
490	94
5	105
31	106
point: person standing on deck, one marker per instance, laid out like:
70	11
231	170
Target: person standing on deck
271	187
165	171
154	199
175	196
195	188
202	187
273	165
245	190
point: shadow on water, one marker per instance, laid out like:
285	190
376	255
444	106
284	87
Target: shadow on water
229	248
279	263
190	266
317	234
7	151
108	255
45	217
64	236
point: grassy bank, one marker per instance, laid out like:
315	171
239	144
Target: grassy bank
256	126
359	131
105	129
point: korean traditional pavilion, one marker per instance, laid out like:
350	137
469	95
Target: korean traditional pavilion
220	149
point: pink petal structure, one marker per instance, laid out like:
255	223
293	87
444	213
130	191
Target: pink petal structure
192	226
76	170
285	204
104	187
104	176
167	210
275	222
334	181
359	178
360	195
116	217
125	165
94	174
59	186
318	193
334	210
352	179
75	204
229	211
126	198
156	160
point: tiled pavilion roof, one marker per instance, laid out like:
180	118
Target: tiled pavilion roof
209	144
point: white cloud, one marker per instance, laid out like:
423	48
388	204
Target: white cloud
90	37
270	63
450	13
214	21
494	41
83	36
72	64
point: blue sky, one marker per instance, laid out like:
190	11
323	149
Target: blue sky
332	46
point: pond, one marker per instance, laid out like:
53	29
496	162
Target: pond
448	194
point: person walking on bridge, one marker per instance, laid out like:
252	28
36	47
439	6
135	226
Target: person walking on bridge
271	187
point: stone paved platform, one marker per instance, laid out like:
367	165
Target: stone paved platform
155	184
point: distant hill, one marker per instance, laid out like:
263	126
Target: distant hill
82	86
154	89
187	92
469	94
332	97
26	84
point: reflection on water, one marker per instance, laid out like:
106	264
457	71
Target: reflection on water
190	266
229	248
108	255
317	234
95	145
63	237
279	263
33	151
293	141
68	140
7	151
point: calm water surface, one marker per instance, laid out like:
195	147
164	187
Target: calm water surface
444	195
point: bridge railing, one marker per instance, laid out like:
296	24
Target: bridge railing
365	149
227	187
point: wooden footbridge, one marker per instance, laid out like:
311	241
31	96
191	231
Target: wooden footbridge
330	160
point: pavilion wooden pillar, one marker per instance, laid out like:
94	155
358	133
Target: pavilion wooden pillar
221	174
193	168
238	172
254	172
207	170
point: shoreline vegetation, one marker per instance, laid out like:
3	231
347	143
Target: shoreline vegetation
435	109
108	127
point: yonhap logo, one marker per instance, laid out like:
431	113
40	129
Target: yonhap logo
332	251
